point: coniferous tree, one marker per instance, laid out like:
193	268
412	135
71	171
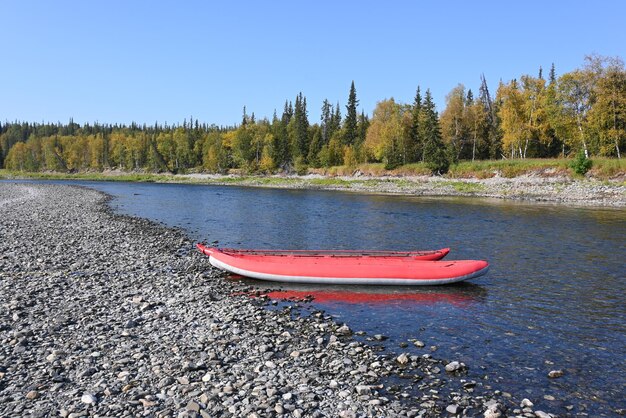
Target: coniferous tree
492	147
350	124
552	79
281	154
469	100
363	124
325	121
244	118
435	155
553	116
335	121
416	142
300	128
315	147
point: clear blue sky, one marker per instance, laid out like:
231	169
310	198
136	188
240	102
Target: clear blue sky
121	61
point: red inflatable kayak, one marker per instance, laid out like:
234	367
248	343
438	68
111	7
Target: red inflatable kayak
346	267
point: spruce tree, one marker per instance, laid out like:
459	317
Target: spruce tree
301	128
552	110
416	142
325	121
335	121
489	131
552	79
351	132
244	119
281	154
287	113
364	123
435	155
315	147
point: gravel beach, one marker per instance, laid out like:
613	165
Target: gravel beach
108	315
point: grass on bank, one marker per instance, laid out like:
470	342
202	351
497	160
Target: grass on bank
602	169
90	176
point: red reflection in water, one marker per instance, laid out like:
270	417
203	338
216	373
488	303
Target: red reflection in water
371	298
461	294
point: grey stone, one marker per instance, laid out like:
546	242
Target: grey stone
402	359
453	409
88	398
453	366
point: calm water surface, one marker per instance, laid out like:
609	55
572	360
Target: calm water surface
553	299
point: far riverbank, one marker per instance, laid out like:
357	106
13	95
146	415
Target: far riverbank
537	187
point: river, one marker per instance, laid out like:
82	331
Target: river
552	300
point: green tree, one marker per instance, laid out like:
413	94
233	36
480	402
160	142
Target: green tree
435	155
315	147
351	132
279	150
489	143
416	142
363	125
325	122
335	121
300	128
553	117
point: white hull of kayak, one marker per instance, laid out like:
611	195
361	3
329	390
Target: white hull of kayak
344	280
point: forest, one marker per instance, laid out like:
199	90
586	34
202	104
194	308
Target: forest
582	111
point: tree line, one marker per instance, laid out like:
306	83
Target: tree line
583	110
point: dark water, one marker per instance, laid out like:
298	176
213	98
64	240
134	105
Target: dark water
553	299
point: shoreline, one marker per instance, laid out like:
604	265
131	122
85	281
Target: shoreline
118	315
561	190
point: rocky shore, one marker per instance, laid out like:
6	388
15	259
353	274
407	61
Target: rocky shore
530	188
107	315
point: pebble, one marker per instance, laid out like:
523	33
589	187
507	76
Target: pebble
453	409
553	374
193	406
343	330
88	398
453	366
363	389
33	394
493	411
402	359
